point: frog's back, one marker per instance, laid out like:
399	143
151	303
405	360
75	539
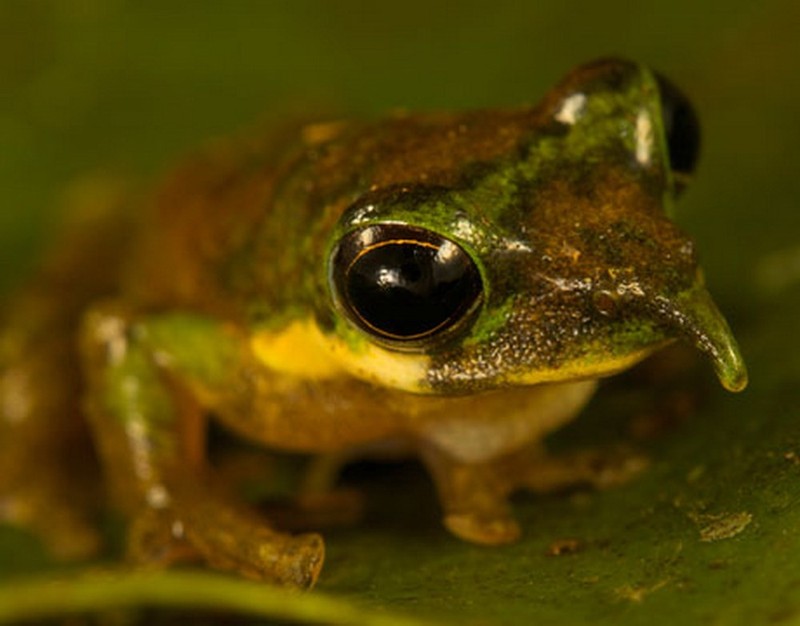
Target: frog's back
200	221
241	230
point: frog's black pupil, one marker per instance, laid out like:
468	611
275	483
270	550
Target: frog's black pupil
681	127
406	289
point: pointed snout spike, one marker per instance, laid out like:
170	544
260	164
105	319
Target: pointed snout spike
697	319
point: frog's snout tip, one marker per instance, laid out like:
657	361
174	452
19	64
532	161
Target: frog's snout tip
738	383
731	370
696	318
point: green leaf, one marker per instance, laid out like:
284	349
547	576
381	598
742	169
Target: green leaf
99	590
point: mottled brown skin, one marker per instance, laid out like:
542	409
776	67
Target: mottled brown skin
315	183
562	207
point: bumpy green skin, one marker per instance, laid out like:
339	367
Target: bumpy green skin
564	209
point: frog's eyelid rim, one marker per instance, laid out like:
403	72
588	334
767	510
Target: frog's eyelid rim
409	235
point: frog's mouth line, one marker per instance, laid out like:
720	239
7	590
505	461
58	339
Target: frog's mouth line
697	319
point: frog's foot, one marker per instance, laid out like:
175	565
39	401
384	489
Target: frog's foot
600	469
289	560
320	503
156	539
316	509
474	499
226	539
494	529
475	495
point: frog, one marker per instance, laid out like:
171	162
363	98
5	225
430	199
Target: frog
447	285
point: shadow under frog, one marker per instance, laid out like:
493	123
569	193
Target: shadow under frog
449	284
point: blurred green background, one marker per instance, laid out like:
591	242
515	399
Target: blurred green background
125	87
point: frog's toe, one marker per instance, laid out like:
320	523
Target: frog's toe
615	467
482	529
600	469
298	563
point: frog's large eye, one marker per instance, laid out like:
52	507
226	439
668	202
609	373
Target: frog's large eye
682	130
402	283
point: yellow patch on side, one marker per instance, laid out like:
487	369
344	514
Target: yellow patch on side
299	350
396	370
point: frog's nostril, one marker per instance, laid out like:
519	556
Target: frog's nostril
696	318
605	303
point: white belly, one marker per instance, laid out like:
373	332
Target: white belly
480	428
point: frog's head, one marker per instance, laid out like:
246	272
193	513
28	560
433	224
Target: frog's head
553	260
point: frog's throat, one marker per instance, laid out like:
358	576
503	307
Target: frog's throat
697	319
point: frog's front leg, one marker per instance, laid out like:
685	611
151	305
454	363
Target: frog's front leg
151	381
474	496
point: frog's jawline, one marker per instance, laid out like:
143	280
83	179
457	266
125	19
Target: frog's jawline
301	350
